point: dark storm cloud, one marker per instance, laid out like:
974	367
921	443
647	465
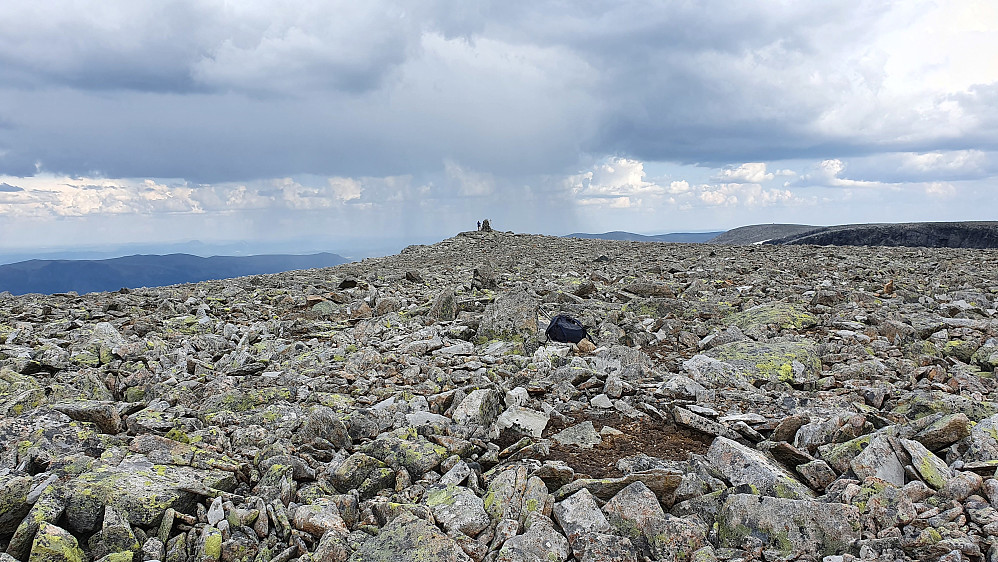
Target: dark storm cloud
208	91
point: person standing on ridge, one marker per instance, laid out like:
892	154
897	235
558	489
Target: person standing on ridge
479	225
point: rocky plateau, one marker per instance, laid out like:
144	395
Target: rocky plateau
732	403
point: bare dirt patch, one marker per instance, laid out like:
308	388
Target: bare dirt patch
644	435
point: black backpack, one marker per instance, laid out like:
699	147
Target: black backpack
566	329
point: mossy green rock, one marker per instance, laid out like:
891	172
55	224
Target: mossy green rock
410	539
922	403
778	361
788	525
139	490
839	455
46	509
780	314
959	349
14	506
54	544
18	393
417	456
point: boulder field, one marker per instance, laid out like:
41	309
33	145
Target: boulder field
732	403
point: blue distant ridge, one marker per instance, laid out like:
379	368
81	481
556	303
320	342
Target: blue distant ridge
87	276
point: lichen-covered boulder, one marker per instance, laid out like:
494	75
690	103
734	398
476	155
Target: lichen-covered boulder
778	314
541	541
931	468
416	455
115	535
982	443
409	539
139	490
512	317
921	403
788	525
742	465
504	496
944	431
362	472
319	518
55	544
777	361
14	504
457	509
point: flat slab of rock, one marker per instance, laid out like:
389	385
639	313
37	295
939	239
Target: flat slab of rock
141	492
662	482
410	539
695	421
742	465
793	362
526	421
416	455
581	435
788	525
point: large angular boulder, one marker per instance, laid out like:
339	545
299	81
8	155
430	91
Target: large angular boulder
788	525
55	544
409	539
14	504
458	509
879	459
416	455
777	314
777	361
541	541
140	491
742	465
512	317
579	515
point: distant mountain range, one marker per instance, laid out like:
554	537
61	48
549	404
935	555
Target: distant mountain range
760	233
687	237
85	276
968	234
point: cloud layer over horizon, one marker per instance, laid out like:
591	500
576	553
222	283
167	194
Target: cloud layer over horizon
122	120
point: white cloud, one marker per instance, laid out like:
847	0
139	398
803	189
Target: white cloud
467	182
346	189
750	172
940	190
952	162
827	173
618	183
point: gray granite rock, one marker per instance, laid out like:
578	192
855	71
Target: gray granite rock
742	465
789	525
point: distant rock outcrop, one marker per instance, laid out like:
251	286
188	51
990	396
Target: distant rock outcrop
925	234
915	234
759	233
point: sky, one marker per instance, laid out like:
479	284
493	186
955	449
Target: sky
335	124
